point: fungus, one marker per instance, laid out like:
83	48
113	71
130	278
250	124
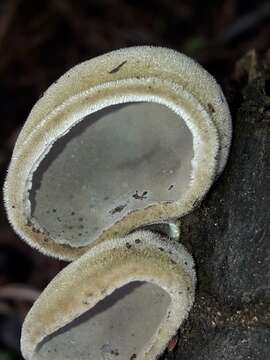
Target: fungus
112	155
114	302
130	138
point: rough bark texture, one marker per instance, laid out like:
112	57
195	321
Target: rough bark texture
228	236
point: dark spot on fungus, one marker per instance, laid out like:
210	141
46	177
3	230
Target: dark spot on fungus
170	187
173	262
117	209
128	245
133	357
80	219
211	108
115	352
13	206
137	241
117	68
72	213
107	349
161	249
137	196
106	198
54	210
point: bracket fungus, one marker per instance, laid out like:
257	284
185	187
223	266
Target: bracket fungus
124	299
129	138
111	156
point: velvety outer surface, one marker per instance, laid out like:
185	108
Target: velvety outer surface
125	296
79	176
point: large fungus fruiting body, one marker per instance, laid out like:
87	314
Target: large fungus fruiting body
123	300
129	138
117	150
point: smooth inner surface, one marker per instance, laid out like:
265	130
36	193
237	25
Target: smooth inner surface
116	160
117	328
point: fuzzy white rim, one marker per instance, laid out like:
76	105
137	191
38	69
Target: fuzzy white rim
63	118
25	161
172	269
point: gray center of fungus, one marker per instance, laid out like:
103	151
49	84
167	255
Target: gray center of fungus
117	328
113	161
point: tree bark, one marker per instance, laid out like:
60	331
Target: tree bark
228	235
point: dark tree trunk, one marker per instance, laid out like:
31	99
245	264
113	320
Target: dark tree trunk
228	236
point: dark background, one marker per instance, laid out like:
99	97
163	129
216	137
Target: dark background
40	40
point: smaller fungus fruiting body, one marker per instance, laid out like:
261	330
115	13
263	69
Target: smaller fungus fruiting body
123	140
127	295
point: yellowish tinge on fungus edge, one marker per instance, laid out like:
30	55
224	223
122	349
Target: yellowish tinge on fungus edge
126	141
132	137
125	296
